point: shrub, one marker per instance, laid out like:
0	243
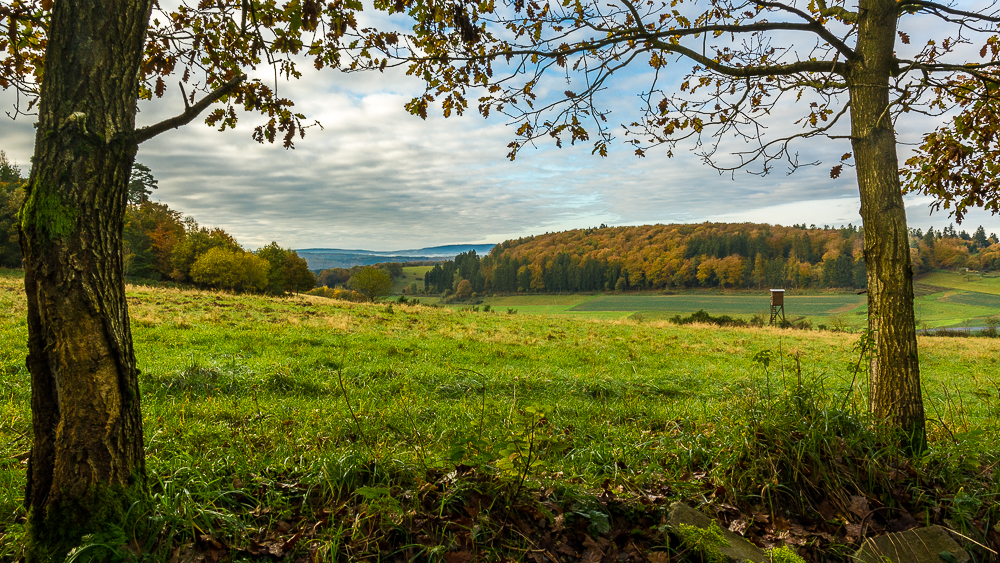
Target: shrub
371	282
702	316
339	294
233	270
464	289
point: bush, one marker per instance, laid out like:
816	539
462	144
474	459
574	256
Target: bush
991	327
464	289
371	282
339	294
702	316
233	270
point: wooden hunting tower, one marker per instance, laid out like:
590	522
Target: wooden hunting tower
777	305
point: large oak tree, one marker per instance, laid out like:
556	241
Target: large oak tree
715	73
87	63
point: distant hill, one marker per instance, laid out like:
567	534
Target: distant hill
324	258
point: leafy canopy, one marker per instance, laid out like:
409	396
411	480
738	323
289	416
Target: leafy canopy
556	68
207	47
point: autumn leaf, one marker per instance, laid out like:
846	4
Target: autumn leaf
859	506
836	170
458	557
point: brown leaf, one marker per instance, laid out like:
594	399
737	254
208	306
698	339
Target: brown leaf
739	525
826	510
836	170
565	549
658	557
859	506
458	557
592	556
288	545
601	544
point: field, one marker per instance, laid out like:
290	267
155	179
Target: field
943	299
372	426
411	274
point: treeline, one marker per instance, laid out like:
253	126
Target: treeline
162	244
947	249
716	255
359	283
341	277
11	197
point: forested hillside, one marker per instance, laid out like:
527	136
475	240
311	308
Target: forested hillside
719	255
160	243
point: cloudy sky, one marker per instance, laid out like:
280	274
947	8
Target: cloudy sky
378	178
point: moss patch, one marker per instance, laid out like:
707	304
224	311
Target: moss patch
45	212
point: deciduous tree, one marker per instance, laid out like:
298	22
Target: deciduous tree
87	64
11	196
231	269
371	282
843	60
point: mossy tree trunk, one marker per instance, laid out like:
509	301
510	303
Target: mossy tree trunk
87	456
894	370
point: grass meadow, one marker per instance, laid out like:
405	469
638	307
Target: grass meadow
943	299
308	429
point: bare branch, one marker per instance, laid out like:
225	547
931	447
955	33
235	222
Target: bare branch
148	132
907	5
655	38
945	67
815	26
798	67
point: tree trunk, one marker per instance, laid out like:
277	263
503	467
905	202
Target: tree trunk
87	456
894	383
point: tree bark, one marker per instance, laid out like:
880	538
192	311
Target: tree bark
87	456
894	384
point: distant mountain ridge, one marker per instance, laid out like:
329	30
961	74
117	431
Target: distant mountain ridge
324	258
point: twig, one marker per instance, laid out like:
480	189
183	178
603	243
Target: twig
190	112
350	409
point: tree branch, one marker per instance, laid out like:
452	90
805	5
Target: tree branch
837	12
935	7
816	27
946	67
755	71
191	112
656	39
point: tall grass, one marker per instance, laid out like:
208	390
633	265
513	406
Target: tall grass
367	429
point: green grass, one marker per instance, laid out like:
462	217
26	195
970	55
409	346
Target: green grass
410	275
953	299
959	280
294	405
943	299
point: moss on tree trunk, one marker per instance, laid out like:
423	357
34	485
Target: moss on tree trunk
87	457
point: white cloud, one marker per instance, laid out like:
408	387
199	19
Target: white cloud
375	177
